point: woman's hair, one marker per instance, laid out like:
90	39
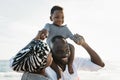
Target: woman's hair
54	8
31	58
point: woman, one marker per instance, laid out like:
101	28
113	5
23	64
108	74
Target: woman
32	60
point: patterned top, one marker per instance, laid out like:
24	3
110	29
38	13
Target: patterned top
31	58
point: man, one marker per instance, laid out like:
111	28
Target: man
61	51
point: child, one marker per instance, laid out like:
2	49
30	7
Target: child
57	17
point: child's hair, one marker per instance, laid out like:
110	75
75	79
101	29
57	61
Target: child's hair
54	8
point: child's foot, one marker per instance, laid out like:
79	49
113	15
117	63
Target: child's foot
70	69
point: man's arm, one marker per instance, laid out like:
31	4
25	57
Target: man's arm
95	58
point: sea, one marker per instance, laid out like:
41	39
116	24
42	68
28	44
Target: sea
6	73
111	71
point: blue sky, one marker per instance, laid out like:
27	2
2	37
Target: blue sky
97	20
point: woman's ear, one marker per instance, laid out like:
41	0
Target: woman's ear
51	18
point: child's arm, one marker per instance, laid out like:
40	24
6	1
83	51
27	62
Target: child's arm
72	50
71	58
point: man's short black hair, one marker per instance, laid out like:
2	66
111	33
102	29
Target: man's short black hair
57	37
54	8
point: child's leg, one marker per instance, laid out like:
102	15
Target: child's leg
71	58
56	69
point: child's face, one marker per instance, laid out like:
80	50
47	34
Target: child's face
58	17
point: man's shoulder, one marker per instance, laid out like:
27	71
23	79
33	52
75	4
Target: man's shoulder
78	60
85	64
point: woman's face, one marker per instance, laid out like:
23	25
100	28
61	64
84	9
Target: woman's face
58	17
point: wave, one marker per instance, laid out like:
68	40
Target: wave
10	74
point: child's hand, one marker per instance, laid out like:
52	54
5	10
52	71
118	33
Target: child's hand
80	39
42	34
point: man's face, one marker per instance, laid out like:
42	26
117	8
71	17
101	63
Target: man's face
61	51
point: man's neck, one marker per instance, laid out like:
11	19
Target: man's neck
62	66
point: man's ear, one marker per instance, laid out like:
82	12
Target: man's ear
51	18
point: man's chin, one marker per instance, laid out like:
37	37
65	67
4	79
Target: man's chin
65	60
